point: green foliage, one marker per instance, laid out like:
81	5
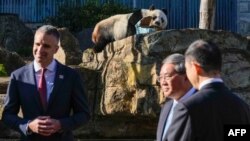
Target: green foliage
25	52
2	70
86	16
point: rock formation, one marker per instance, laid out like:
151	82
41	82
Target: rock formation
69	52
124	76
14	35
10	60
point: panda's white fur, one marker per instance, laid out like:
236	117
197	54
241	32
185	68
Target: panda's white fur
123	25
112	27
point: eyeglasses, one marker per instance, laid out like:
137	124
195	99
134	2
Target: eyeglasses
166	77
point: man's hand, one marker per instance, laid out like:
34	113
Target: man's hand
44	125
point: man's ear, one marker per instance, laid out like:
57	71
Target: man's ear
198	68
57	48
186	78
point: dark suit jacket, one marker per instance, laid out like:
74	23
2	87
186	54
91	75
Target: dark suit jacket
67	102
202	116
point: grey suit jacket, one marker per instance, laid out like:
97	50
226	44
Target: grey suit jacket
165	113
162	120
67	102
202	116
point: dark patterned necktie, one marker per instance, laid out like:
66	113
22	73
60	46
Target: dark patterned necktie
42	88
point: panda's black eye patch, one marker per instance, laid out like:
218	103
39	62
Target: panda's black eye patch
154	17
162	20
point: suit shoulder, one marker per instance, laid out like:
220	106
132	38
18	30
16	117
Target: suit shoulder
22	70
167	104
67	69
215	96
199	98
238	100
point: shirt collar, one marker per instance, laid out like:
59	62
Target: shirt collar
175	102
208	81
51	67
189	93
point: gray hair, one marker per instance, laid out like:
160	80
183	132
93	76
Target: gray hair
178	60
49	30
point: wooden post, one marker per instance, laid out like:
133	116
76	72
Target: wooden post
207	14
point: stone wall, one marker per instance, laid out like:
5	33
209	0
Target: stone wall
10	60
121	80
14	35
69	52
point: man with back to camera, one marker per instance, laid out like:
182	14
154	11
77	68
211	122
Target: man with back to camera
50	95
202	117
176	86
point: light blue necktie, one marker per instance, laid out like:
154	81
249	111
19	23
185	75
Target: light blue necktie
168	122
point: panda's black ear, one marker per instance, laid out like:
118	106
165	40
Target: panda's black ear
135	17
165	11
152	7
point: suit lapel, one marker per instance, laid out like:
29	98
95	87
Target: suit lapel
32	79
164	115
59	76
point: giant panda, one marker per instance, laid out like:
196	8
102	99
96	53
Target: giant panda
123	25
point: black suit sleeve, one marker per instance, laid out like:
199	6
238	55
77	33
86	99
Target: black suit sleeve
180	128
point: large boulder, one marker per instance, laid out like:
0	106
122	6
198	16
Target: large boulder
4	81
124	74
69	52
14	35
10	60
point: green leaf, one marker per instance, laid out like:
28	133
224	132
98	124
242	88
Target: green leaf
2	70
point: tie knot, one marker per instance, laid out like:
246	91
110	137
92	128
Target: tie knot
44	70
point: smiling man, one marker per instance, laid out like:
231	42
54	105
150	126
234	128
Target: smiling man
50	95
176	86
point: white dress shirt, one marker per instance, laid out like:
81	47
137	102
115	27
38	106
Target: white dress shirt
49	76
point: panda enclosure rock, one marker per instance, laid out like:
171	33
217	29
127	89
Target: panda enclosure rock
122	78
69	52
14	35
10	60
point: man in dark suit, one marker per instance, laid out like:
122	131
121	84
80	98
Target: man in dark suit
176	86
51	96
203	116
